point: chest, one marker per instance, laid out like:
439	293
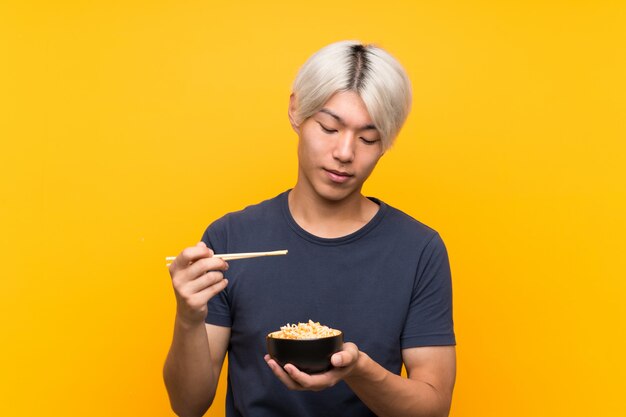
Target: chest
365	293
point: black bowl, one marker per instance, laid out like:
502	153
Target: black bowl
308	355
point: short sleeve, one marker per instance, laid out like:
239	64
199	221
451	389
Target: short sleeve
429	320
218	306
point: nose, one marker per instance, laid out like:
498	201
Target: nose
344	147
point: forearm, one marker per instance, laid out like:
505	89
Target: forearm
188	372
387	394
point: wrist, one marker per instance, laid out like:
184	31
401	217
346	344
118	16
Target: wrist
366	369
186	323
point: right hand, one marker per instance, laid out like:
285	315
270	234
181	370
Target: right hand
197	277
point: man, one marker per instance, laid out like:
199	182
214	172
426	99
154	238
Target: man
354	263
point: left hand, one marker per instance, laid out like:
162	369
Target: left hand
343	363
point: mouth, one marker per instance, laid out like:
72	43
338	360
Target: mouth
339	177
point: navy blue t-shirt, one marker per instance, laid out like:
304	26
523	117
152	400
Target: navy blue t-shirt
387	286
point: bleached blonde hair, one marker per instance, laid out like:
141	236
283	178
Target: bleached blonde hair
368	70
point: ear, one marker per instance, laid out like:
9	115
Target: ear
293	107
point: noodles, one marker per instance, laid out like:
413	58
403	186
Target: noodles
310	330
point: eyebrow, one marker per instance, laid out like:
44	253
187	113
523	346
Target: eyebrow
340	120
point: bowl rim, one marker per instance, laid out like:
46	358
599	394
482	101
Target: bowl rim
269	336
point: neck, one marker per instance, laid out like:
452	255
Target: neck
328	218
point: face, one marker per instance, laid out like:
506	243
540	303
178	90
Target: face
338	149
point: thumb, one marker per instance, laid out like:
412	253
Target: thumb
201	244
340	359
345	357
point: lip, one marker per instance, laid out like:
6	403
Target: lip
338	177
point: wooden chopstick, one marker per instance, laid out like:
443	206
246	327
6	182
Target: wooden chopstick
234	256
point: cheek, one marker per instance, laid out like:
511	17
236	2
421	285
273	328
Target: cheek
306	153
310	145
368	166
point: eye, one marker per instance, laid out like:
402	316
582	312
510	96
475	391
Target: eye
325	129
369	142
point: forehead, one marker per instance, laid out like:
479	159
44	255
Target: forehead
347	107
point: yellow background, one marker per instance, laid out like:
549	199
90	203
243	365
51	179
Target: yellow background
128	126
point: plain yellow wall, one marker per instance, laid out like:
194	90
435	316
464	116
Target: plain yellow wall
128	126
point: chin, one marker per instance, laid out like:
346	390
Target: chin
335	194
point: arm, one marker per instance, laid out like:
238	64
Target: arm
426	392
195	358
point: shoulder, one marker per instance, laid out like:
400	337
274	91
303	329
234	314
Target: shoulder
257	212
408	236
248	220
405	226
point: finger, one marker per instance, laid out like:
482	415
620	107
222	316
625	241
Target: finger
199	300
297	375
295	379
316	382
209	292
202	266
181	278
341	359
204	281
197	269
281	374
345	357
192	254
